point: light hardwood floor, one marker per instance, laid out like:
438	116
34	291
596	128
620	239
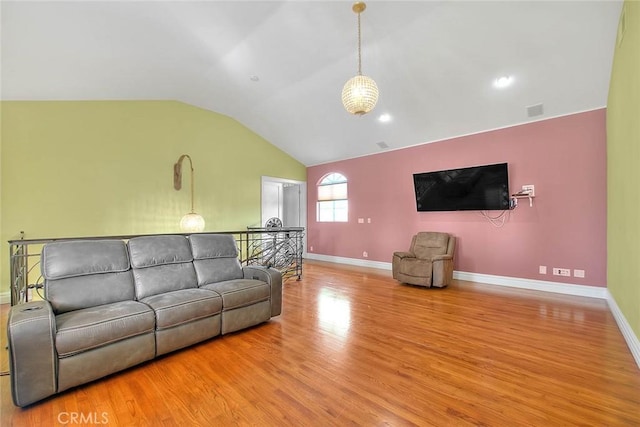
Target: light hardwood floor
354	347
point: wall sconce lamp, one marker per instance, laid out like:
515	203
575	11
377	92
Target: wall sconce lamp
191	222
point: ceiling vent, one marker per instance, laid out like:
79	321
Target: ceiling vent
535	110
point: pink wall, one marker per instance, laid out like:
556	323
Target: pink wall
565	158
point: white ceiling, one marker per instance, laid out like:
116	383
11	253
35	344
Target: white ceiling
434	63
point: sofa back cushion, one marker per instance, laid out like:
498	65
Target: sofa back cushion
215	258
86	273
161	264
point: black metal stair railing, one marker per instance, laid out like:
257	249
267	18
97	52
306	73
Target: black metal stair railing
277	247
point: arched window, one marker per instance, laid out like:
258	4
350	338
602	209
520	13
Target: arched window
333	205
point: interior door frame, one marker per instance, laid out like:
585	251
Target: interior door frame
302	202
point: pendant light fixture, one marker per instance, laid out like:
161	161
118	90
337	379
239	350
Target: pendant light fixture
191	222
360	93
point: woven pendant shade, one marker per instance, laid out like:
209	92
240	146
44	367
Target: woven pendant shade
360	95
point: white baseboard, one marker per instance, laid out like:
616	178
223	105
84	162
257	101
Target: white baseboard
629	336
5	297
536	285
350	261
514	282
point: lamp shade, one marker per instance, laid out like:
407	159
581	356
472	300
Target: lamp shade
192	223
360	94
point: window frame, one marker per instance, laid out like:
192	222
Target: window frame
332	198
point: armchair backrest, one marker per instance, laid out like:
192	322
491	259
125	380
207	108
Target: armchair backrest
427	244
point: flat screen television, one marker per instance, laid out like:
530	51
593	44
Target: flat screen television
466	189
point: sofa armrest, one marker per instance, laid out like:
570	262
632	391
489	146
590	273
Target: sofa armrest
441	257
32	354
273	277
402	255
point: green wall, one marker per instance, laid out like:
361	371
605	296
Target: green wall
623	172
106	168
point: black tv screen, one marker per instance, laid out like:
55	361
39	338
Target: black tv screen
466	189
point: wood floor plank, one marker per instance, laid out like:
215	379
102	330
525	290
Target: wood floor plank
354	347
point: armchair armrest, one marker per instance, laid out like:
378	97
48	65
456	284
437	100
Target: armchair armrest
442	270
273	277
441	257
403	255
32	354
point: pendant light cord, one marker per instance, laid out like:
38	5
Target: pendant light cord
359	49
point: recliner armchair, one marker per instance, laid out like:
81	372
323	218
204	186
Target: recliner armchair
429	261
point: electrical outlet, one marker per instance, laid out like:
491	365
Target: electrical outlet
365	254
360	220
310	248
578	273
530	188
542	269
561	272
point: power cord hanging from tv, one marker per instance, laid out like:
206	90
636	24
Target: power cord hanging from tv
497	221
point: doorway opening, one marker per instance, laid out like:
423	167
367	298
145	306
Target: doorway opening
285	199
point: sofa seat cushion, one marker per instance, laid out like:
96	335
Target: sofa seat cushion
240	292
93	327
415	267
186	305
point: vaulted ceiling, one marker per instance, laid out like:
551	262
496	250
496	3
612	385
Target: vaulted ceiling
278	67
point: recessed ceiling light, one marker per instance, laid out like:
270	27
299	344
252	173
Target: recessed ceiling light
384	118
502	82
254	78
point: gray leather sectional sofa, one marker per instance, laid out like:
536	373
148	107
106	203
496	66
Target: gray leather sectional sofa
110	305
